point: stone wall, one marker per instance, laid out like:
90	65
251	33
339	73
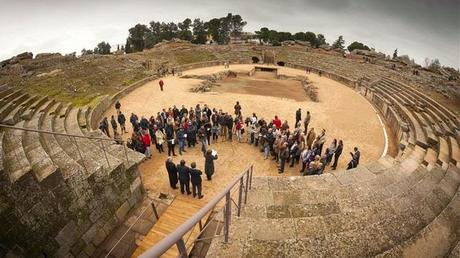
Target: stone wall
61	217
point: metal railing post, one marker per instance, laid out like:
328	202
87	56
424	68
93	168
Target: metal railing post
240	196
227	215
246	187
250	176
182	248
105	154
79	154
155	210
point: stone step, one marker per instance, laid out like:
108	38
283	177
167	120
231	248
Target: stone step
5	92
455	253
119	151
434	105
28	113
16	162
2	153
444	152
67	165
430	158
10	97
93	148
74	149
455	151
436	239
378	226
11	105
41	163
15	115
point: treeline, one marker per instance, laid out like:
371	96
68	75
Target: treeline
275	38
221	29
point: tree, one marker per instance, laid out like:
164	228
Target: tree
86	52
311	37
168	31
320	40
357	45
300	36
395	54
432	64
263	34
102	48
128	47
199	32
339	43
137	36
184	27
213	27
237	25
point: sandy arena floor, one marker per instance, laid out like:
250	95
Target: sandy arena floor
342	112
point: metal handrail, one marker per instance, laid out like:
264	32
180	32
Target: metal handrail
55	133
176	237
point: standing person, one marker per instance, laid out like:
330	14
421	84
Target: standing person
170	139
237	108
172	172
202	138
161	83
117	106
330	153
355	155
184	177
215	132
122	120
298	117
104	126
181	139
306	122
134	122
114	124
283	156
195	176
277	122
239	128
322	140
311	136
160	139
294	153
209	164
147	142
337	154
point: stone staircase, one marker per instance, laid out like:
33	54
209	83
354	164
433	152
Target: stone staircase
59	195
407	206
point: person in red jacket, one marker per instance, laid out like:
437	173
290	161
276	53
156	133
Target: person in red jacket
161	83
147	142
277	122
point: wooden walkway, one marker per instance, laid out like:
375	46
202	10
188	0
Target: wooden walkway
180	210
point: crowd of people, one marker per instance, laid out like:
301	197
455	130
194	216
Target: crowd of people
203	125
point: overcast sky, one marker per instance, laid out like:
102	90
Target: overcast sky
419	28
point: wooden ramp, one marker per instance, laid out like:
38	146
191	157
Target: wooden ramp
180	210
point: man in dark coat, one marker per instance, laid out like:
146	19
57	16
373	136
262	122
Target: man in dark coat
298	117
354	158
195	176
209	164
122	120
184	177
337	154
283	156
172	173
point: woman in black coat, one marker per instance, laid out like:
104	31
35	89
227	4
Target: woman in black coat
209	164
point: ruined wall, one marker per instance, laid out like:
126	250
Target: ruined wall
61	217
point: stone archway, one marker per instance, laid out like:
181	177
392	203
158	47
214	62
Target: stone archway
281	63
255	60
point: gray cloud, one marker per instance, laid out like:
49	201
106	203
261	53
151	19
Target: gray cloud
419	28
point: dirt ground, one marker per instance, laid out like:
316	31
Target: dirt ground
341	111
263	84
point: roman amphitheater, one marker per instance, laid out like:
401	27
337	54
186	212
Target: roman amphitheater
68	190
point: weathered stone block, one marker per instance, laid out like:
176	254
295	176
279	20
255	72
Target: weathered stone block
99	237
122	211
68	235
89	249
